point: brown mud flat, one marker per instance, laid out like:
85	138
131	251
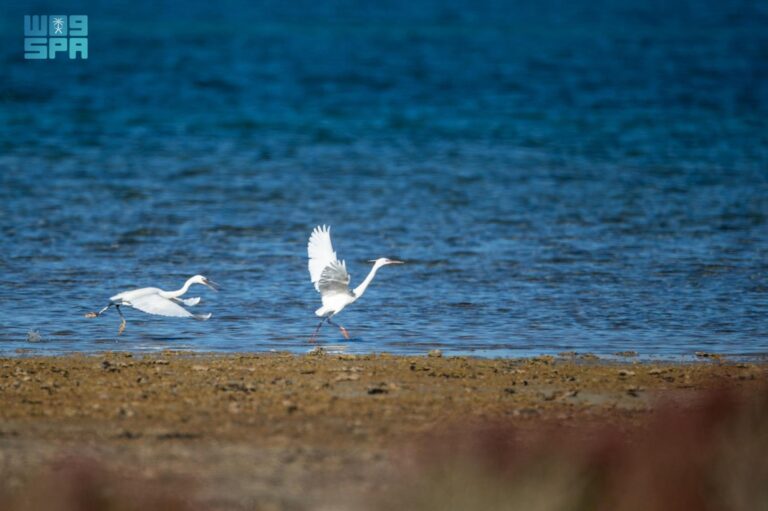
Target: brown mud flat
277	431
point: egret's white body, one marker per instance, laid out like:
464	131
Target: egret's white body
153	300
331	279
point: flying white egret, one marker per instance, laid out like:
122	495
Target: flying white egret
331	280
153	300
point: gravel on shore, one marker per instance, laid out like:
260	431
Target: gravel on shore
291	431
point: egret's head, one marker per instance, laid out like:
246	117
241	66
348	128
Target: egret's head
383	261
200	279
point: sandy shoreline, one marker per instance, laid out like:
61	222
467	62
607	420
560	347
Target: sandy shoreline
282	431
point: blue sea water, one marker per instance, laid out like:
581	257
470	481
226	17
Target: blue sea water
584	175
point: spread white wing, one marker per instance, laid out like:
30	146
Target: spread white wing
328	274
189	302
334	279
156	304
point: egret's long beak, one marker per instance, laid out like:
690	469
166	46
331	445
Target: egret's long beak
392	261
212	284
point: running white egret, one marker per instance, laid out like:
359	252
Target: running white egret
331	280
153	300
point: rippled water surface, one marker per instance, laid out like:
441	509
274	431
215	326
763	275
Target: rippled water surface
588	176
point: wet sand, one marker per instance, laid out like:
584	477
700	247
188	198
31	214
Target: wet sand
279	431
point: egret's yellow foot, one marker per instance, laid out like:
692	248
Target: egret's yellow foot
344	332
122	327
91	315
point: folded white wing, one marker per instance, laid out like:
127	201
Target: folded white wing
321	255
156	304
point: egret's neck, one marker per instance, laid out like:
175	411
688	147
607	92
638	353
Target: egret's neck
359	290
181	291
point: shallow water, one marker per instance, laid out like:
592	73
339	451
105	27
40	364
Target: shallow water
593	179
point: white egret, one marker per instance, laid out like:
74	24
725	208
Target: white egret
153	300
331	280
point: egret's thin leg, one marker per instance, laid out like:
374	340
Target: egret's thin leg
314	336
97	314
122	321
343	330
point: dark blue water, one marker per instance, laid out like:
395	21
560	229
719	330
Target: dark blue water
588	176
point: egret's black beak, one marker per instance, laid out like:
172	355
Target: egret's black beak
212	284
